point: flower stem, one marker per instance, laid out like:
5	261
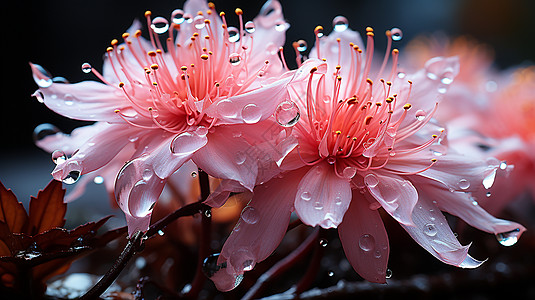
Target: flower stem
313	267
283	265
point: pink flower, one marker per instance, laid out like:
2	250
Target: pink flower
365	142
157	109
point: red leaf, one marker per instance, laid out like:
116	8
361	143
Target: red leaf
11	211
47	211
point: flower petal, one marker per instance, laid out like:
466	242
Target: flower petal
365	240
322	197
395	194
432	232
87	100
259	231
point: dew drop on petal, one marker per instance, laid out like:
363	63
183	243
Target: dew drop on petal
193	174
488	181
72	177
340	23
508	238
147	174
306	196
287	113
227	108
159	25
397	34
367	242
430	229
388	274
401	75
186	142
250	27
39	96
371	180
503	165
464	184
43	78
98	180
331	160
58	157
318	205
177	16
240	158
281	26
233	34
251	113
377	254
249	215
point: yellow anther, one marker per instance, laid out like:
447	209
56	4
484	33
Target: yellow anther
137	33
368	119
369	81
238	11
338	132
109	49
183	68
369	29
204	56
125	35
121	84
114	42
434	136
148	13
154	66
314	69
407	106
151	53
221	14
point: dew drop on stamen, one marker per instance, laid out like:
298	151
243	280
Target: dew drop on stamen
198	22
301	46
233	34
251	113
177	16
420	115
86	68
160	25
287	113
340	23
367	242
234	59
397	34
250	27
58	157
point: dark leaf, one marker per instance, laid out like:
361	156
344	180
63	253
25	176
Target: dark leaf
11	211
47	211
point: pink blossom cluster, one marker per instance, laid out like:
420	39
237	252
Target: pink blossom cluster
333	142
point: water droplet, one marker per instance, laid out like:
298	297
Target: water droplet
193	174
349	172
508	238
338	200
160	232
463	184
367	242
401	75
72	177
397	34
281	26
240	157
430	229
503	165
420	115
59	157
249	215
251	113
226	108
68	99
447	78
371	180
86	68
388	274
39	96
331	160
319	32
177	16
318	205
98	180
330	273
198	22
210	266
491	86
324	242
43	77
250	27
340	23
159	25
287	113
147	174
207	213
186	142
488	181
44	130
306	196
301	46
234	59
233	34
377	254
488	194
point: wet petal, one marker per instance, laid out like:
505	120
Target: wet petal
365	240
322	197
395	194
259	231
